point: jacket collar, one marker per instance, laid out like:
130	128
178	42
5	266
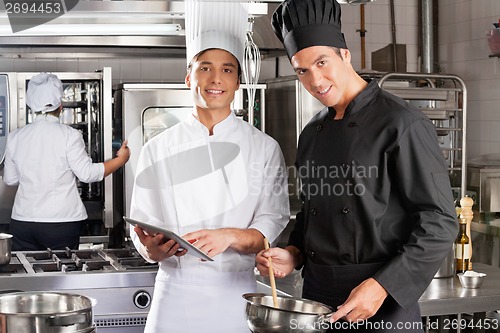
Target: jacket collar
227	124
360	101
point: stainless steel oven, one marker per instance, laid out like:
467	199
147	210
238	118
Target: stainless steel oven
145	110
87	107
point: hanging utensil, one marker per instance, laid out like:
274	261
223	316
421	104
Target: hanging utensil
271	276
251	69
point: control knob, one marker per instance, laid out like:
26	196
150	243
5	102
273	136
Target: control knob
142	299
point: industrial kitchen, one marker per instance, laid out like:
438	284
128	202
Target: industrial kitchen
233	166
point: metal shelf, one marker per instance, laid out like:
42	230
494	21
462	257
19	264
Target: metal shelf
442	98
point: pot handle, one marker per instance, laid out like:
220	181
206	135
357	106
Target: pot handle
67	320
8	291
325	317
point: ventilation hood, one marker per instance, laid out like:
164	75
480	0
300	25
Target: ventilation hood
109	28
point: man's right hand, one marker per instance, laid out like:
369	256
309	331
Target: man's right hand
156	247
124	152
283	262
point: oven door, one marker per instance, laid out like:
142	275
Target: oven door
147	110
157	119
8	121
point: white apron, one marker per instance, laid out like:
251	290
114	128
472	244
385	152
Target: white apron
182	295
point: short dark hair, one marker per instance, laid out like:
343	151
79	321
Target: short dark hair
337	50
199	54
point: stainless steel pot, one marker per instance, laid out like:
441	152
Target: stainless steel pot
293	315
447	268
5	248
45	312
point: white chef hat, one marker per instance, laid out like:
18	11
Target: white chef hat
44	93
216	24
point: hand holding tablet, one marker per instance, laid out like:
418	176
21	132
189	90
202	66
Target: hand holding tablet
152	229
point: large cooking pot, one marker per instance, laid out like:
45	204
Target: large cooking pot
5	248
292	315
45	312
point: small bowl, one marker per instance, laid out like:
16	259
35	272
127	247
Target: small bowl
472	282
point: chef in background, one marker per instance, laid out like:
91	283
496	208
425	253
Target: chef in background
45	158
213	178
378	217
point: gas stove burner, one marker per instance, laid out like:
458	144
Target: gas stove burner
74	261
136	263
128	259
97	274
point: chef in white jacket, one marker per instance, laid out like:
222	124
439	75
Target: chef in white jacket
214	179
45	158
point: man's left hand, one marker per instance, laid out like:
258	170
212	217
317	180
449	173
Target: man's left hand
210	241
363	302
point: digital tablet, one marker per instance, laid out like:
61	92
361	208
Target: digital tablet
152	230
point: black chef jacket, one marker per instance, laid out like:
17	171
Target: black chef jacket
375	189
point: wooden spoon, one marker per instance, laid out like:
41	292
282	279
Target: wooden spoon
271	276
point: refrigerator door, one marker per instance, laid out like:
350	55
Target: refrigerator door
289	109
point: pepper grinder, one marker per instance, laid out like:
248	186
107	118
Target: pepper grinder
466	213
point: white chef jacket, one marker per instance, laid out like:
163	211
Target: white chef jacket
187	180
43	158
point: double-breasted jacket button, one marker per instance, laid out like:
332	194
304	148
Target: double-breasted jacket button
319	128
345	210
313	211
346	256
311	253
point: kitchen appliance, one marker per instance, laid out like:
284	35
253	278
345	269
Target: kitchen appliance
45	312
290	108
119	280
86	107
143	110
5	246
292	315
483	179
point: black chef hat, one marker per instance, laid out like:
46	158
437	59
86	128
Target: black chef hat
303	23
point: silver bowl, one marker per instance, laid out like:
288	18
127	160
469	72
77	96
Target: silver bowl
472	282
292	315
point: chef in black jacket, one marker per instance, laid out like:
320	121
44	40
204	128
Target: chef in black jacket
378	217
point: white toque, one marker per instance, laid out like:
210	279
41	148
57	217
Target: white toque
44	93
216	24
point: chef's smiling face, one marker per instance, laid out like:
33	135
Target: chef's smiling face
213	80
324	73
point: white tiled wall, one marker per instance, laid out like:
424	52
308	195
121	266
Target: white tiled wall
379	33
464	51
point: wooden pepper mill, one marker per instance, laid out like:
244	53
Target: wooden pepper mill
466	213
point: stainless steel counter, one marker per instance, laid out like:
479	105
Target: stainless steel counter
442	297
447	296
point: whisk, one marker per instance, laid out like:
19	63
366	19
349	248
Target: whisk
251	70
